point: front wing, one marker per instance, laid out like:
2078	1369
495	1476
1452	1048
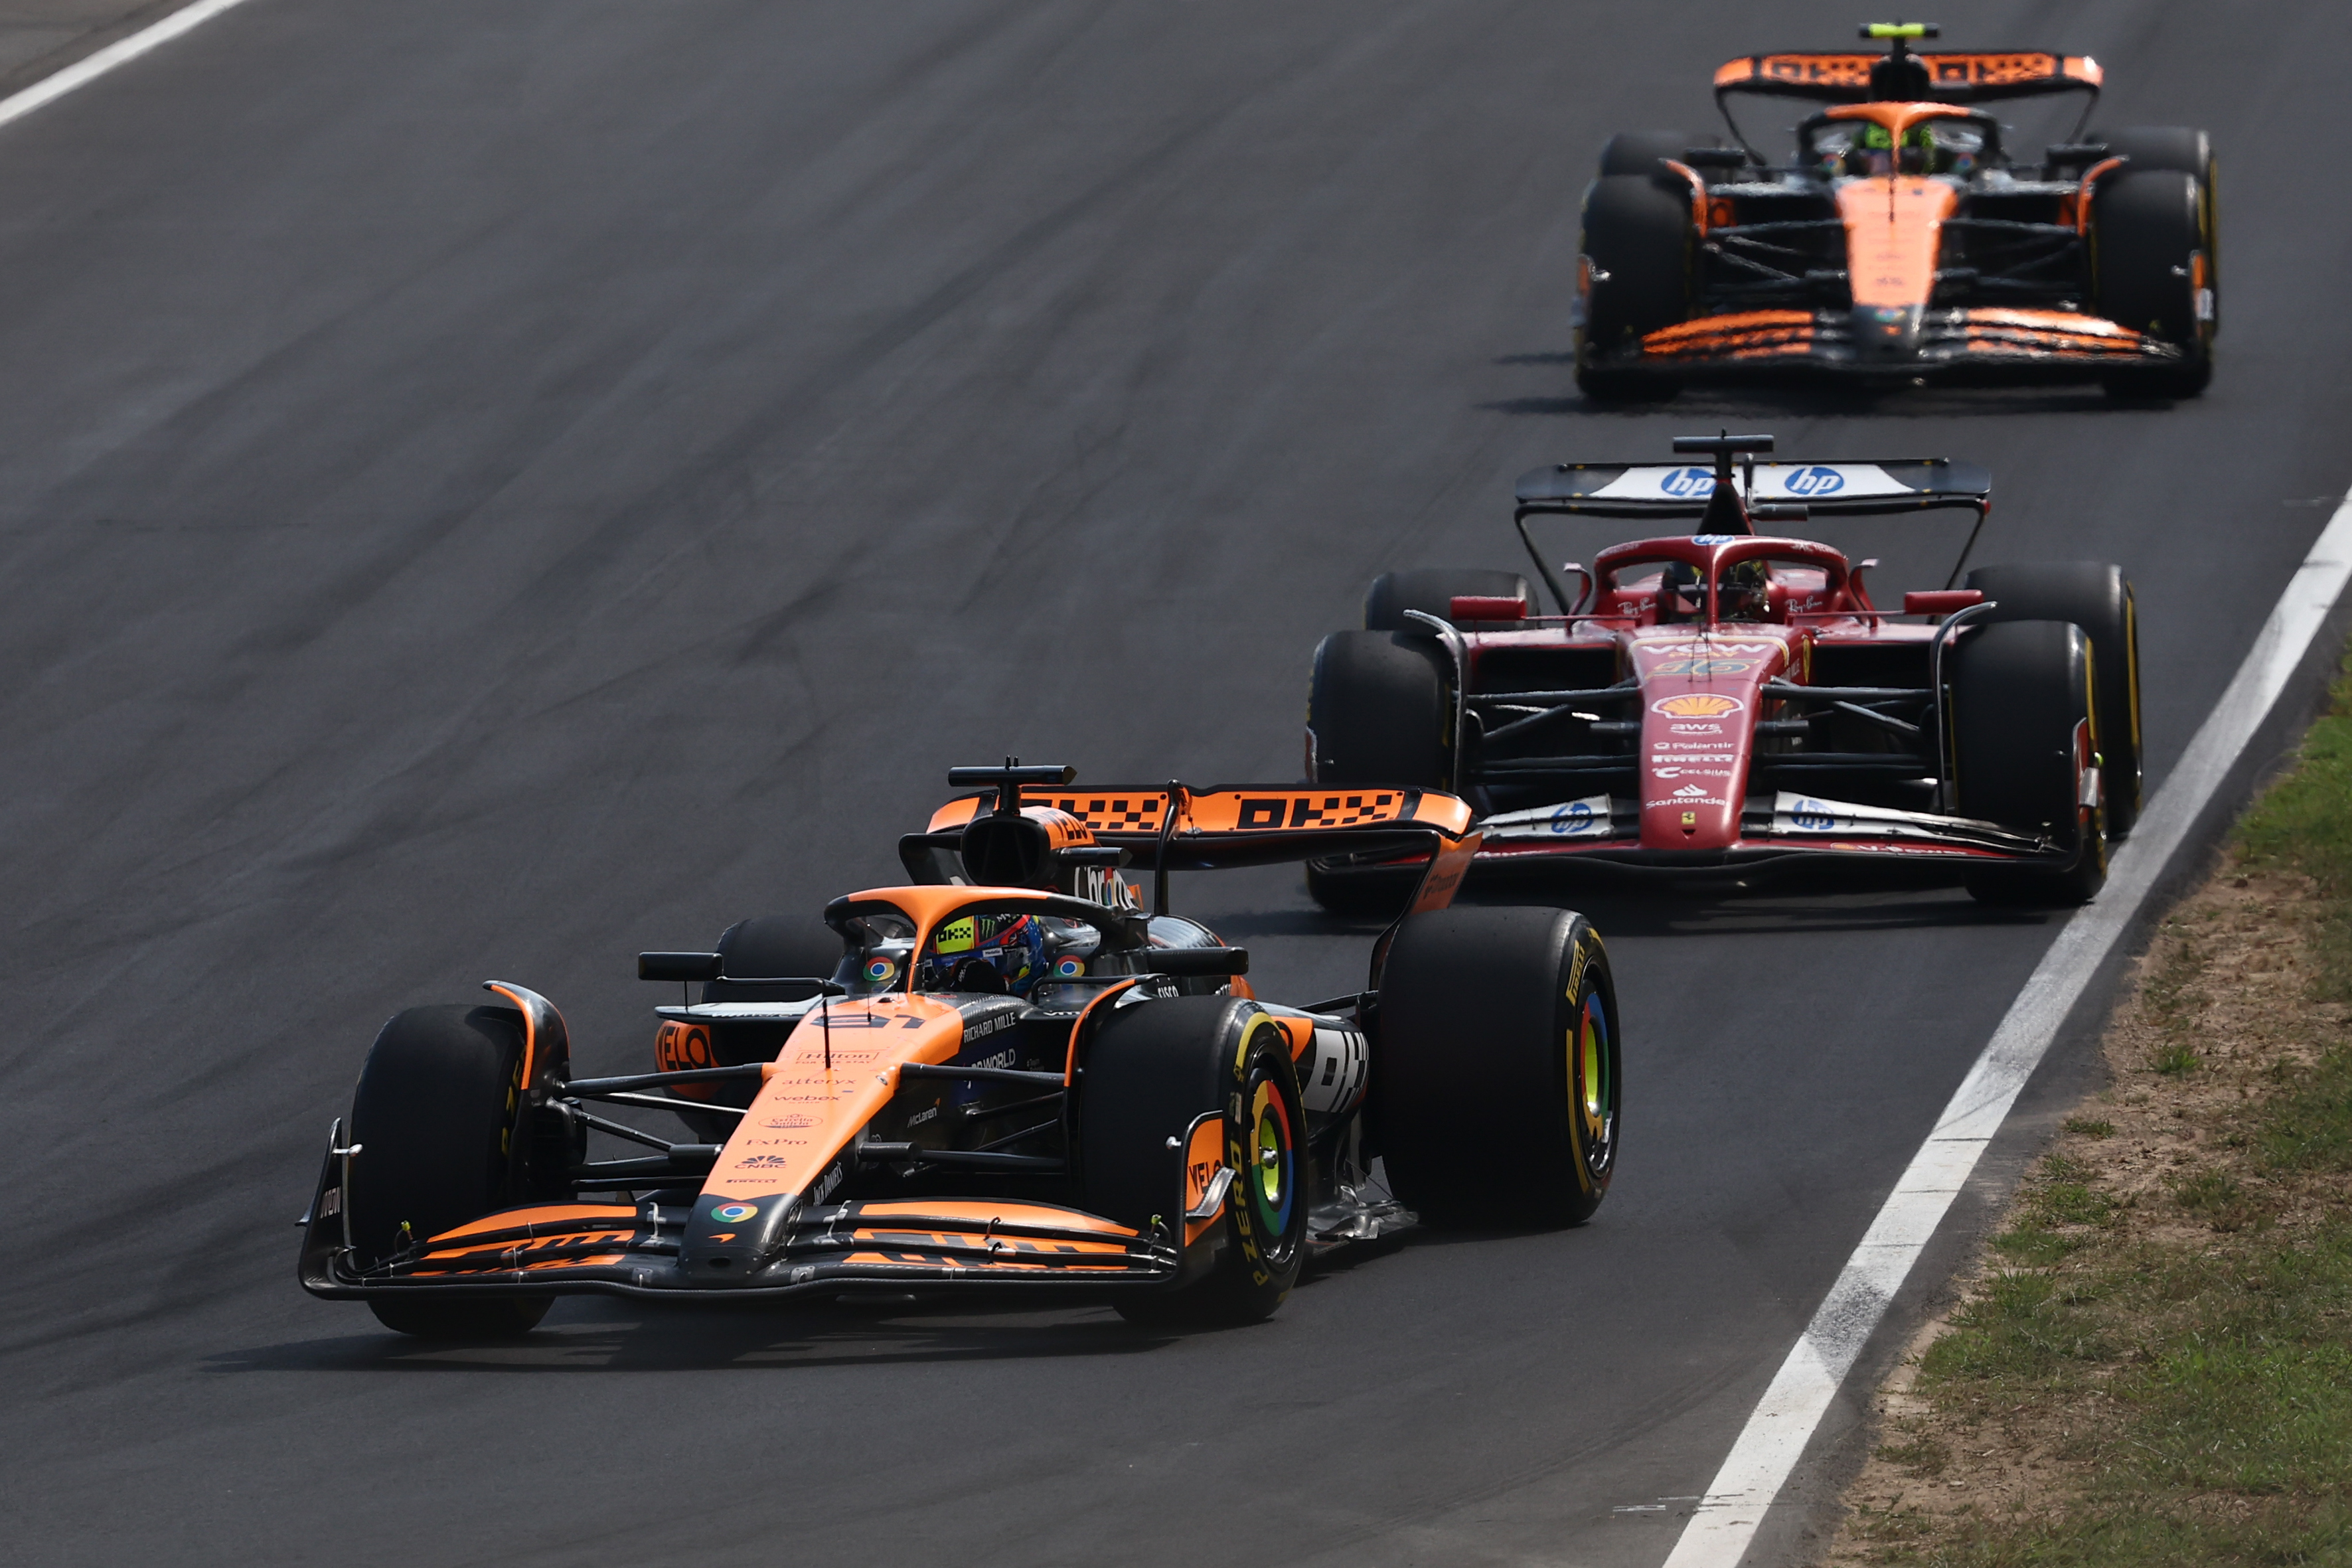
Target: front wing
1976	343
1780	832
634	1249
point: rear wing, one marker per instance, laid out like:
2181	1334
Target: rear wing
1950	75
1171	827
1846	487
1734	491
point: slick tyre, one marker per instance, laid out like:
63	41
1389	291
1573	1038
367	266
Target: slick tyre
1636	253
437	1115
770	946
2184	149
1431	591
1154	1070
1379	711
2150	272
1638	151
2097	597
2024	728
1495	1067
1377	893
763	948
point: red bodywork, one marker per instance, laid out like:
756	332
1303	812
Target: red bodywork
1715	701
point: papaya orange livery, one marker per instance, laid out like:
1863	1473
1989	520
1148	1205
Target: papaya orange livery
1903	238
1005	1072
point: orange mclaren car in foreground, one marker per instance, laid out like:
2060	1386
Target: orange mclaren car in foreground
1905	241
1003	1074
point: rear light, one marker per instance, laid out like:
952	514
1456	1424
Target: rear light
1940	600
1480	607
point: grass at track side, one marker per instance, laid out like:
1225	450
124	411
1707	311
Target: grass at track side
2154	1364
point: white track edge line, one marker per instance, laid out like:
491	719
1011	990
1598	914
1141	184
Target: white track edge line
122	51
1725	1521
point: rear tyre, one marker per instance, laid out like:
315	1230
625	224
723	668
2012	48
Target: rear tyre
1154	1070
1638	151
2023	727
438	1114
750	952
1635	278
2150	272
1380	894
1495	1067
2097	597
1432	590
769	946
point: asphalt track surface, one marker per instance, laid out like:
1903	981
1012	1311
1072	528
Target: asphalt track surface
490	489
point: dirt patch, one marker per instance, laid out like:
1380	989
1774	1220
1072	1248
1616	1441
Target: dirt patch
1999	1436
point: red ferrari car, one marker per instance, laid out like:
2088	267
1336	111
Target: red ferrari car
1729	703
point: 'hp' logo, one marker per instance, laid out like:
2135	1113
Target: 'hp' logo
1683	483
1815	481
1813	817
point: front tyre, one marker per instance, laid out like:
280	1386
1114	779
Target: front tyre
2097	597
1640	152
1634	267
2184	150
2024	736
1154	1070
438	1115
2151	272
1495	1067
1431	590
1379	711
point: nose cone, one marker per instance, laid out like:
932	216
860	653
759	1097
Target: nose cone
1886	333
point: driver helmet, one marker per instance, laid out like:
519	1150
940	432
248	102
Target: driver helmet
1680	592
1743	592
1876	151
989	953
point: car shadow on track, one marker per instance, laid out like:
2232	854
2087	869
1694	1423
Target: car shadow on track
1636	914
587	1334
1817	401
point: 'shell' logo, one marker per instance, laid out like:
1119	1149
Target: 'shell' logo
1697	705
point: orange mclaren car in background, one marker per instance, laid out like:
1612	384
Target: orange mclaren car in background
1904	242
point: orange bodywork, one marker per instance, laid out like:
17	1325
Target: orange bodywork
1894	224
805	1110
554	1236
1229	810
1850	72
920	1232
1203	1158
1894	231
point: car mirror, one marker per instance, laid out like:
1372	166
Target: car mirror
678	968
1196	963
1940	600
1482	608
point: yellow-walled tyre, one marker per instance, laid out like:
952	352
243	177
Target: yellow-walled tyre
1154	1070
436	1115
1497	1061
